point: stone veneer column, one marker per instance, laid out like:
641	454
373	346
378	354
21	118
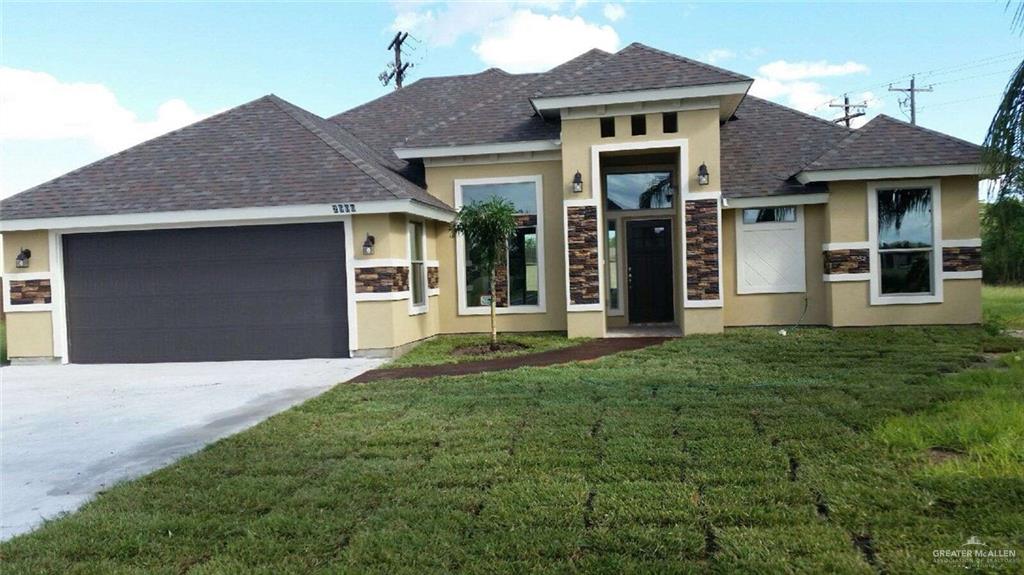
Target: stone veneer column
702	294
585	312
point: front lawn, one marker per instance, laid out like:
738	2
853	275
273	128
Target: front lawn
473	347
748	452
1006	303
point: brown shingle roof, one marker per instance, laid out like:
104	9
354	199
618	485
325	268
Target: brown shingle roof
765	144
886	142
264	153
635	67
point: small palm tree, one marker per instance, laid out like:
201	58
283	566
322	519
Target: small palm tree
1004	144
487	228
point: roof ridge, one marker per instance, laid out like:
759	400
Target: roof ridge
142	143
923	129
465	112
337	146
801	113
853	136
704	65
589	67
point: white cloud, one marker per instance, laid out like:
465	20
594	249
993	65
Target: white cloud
718	55
794	84
37	106
518	36
789	71
614	12
530	42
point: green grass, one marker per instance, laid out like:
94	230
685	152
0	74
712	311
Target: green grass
1006	303
745	452
439	350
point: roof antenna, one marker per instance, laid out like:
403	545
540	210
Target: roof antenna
397	69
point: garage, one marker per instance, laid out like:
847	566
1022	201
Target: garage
207	294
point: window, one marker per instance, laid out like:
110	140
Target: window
763	215
638	122
905	240
770	251
639	190
612	260
520	279
670	122
607	127
417	271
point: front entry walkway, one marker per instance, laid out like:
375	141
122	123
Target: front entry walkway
70	431
654	330
592	349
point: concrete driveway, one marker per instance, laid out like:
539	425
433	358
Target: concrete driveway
69	431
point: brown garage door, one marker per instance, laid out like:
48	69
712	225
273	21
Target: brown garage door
207	294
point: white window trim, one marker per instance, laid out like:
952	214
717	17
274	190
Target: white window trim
460	250
620	264
26	276
414	308
742	246
875	261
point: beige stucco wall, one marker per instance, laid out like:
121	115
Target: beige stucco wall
29	334
441	183
388	324
37	241
849	302
781	308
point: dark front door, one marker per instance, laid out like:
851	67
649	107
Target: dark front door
649	259
207	294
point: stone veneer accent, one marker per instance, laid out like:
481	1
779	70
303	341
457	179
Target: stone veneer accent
584	275
702	250
500	290
526	220
26	292
855	261
382	279
964	259
433	277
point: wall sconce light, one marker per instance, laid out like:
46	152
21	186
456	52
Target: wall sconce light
368	245
21	260
703	177
577	182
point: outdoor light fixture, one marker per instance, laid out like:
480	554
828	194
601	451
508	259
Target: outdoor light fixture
702	175
368	245
577	182
21	260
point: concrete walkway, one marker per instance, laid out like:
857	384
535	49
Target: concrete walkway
586	351
69	431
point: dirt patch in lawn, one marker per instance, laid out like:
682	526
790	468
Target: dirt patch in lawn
485	349
940	454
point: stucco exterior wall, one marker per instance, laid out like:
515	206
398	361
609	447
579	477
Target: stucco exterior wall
29	334
777	308
37	241
850	303
382	325
441	183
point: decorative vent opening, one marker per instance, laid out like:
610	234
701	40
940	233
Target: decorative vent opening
607	127
639	124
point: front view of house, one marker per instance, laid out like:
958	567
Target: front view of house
652	191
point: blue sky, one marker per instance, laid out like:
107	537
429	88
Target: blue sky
79	81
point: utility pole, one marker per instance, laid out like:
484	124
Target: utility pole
912	97
397	69
858	110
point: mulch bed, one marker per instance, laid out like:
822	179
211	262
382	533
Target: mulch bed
585	351
485	349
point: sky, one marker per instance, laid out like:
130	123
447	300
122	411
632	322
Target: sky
80	80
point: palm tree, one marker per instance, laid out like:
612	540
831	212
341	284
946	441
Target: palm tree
487	228
1004	144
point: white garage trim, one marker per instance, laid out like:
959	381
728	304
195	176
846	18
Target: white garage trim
750	256
59	305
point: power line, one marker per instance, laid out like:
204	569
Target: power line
397	69
911	97
960	101
850	111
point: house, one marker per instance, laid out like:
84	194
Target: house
652	189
